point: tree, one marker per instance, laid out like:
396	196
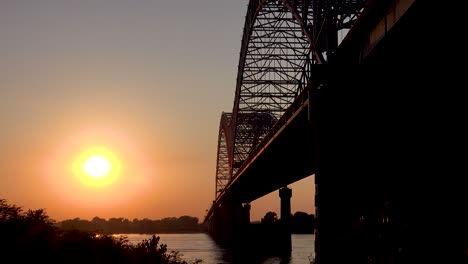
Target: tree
270	217
302	223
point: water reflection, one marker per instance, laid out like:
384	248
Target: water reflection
201	246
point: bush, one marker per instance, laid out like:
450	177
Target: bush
32	236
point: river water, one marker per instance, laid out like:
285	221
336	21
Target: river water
201	246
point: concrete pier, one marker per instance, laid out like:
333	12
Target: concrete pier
285	219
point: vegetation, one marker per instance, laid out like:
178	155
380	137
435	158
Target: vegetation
183	224
31	237
301	222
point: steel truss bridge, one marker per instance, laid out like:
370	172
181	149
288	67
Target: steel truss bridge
315	95
282	41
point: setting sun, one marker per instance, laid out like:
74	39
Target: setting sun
97	167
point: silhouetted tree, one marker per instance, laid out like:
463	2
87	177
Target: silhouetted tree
302	223
98	223
270	217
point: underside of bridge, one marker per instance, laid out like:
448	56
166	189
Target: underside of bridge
387	189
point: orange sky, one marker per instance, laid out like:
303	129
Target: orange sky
148	80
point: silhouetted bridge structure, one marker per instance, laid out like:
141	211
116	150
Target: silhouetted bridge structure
332	89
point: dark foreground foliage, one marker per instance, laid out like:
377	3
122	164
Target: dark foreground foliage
32	237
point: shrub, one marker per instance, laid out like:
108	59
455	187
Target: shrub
31	237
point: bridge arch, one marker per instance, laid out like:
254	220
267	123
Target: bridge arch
281	41
224	153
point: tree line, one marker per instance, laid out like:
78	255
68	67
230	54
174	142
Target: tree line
182	224
33	237
301	223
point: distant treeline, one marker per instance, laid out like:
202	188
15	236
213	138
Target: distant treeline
301	223
183	224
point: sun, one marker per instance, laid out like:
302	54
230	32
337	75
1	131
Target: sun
97	166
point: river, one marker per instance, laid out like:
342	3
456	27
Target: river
201	246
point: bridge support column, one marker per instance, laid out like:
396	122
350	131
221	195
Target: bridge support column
373	205
285	194
229	223
246	214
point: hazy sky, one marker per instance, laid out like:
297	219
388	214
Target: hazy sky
146	79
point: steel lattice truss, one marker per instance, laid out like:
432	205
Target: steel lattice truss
281	40
223	164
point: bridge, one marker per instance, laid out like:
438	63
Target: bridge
335	89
